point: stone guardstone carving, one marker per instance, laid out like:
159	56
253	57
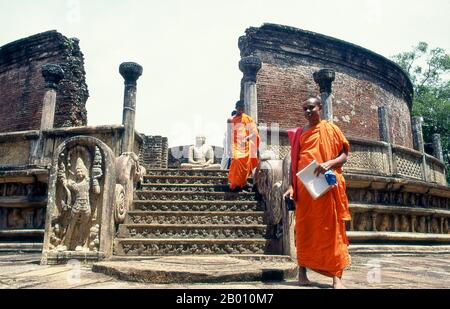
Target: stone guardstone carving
81	199
128	174
201	156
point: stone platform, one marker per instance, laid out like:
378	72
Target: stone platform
400	271
200	269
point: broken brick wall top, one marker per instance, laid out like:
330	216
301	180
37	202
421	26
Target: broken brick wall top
22	84
364	81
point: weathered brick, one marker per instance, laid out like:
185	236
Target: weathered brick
22	84
364	81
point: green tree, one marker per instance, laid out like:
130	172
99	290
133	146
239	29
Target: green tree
429	71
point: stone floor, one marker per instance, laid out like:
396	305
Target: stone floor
22	271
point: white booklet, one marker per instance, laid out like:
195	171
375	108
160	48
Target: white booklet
316	185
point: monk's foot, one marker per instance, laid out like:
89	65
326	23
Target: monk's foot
305	282
303	278
337	283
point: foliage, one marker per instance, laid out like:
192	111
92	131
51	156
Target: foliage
429	71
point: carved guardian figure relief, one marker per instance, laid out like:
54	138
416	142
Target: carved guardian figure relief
75	226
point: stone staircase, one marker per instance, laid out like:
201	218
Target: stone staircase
188	216
191	212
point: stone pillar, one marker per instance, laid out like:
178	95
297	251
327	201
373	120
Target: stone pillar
396	224
250	67
385	135
324	78
419	143
52	74
383	120
374	222
413	224
418	134
130	71
437	147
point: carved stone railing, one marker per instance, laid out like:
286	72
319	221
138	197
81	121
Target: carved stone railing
408	163
391	189
369	157
435	170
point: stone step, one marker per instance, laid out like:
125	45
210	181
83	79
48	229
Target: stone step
198	269
155	247
185	187
21	247
194	217
21	234
197	206
193	196
185	180
182	172
191	231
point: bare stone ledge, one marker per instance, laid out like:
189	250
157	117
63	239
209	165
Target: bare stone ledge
20	247
58	258
398	237
357	249
359	181
397	210
21	232
19	136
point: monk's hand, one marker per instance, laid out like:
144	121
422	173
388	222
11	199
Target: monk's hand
323	167
289	193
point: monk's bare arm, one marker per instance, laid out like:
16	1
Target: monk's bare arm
335	163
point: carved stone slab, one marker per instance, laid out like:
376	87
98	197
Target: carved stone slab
79	221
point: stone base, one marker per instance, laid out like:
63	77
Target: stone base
199	269
363	249
57	258
398	237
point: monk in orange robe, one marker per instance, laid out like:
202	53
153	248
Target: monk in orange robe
321	240
245	143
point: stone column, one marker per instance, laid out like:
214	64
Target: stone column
383	120
250	67
418	134
374	221
437	147
324	78
385	135
130	71
419	143
52	74
413	224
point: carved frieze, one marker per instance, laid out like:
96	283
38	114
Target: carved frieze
179	249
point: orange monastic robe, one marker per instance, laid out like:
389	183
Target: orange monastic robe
245	157
321	240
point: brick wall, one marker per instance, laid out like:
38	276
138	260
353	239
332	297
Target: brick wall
22	84
154	152
364	81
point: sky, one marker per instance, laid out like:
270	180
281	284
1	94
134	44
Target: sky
189	51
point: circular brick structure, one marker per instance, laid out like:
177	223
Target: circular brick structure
364	82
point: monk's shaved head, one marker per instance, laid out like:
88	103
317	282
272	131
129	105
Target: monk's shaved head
314	100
